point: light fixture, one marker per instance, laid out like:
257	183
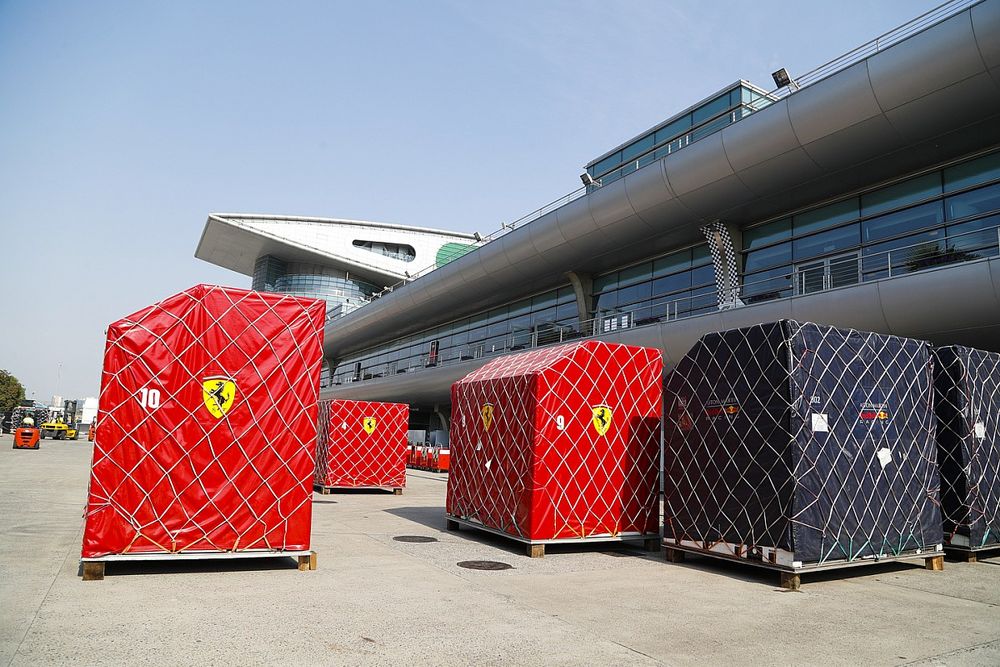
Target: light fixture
589	180
782	79
477	236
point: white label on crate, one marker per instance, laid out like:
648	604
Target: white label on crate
884	456
820	423
479	445
489	463
980	430
344	426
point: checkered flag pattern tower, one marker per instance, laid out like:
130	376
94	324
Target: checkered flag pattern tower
559	443
362	444
207	427
967	403
796	444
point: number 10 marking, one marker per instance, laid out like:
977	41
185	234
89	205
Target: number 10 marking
149	398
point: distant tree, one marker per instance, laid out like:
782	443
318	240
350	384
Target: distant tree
11	392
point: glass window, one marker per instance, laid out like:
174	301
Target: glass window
827	216
606	282
978	237
676	261
824	243
633	294
607	163
896	253
765	234
711	109
682	124
766	285
901	222
635	273
703	275
974	202
633	150
700	255
980	170
521	307
567	311
672	283
773	256
606	301
901	194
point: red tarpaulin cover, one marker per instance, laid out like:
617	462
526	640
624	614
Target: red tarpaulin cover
561	442
363	444
207	426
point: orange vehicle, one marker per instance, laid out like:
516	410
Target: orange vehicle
26	438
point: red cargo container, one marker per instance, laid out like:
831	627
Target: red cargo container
206	437
559	444
364	446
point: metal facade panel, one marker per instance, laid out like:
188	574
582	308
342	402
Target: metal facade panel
947	54
609	204
559	443
986	27
760	137
857	143
793	167
962	103
905	301
362	444
700	164
831	105
207	428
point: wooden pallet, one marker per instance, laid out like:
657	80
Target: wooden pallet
967	555
327	490
792	579
93	570
537	549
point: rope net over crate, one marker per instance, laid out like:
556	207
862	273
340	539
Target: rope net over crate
207	427
967	402
800	443
560	442
362	444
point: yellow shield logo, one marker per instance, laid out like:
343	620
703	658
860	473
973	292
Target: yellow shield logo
218	394
368	424
601	418
487	413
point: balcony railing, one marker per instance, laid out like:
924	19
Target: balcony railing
970	246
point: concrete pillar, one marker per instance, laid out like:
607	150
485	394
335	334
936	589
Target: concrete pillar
583	288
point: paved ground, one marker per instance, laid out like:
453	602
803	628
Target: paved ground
374	600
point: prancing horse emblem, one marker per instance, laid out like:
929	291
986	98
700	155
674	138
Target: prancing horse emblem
218	393
601	419
368	424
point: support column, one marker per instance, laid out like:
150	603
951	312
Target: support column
724	260
583	288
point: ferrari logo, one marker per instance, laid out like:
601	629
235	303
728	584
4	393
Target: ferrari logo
368	424
218	394
601	419
487	413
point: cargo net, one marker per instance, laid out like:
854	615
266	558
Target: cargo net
167	477
967	393
802	438
584	484
347	455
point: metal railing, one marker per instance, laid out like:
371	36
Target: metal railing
969	246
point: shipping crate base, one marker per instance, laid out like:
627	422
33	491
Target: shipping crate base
536	548
782	561
93	568
972	555
327	490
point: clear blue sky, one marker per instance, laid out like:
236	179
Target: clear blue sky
122	125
